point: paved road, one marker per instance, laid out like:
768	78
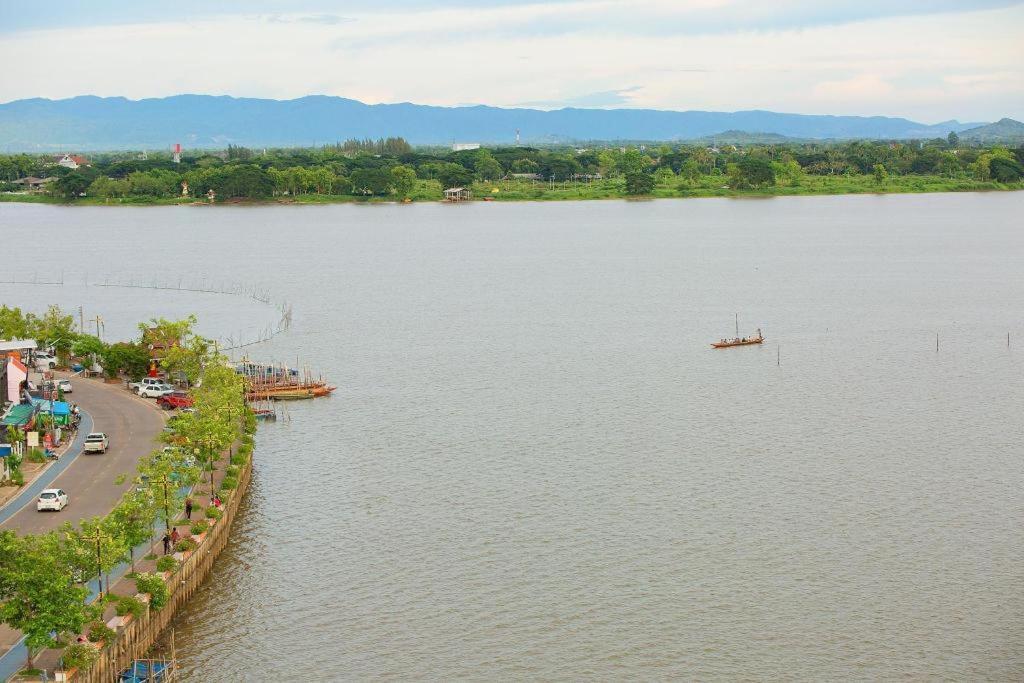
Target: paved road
132	423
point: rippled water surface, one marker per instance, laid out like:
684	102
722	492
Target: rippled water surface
536	468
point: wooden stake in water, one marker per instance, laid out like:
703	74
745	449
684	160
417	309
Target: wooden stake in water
936	342
778	355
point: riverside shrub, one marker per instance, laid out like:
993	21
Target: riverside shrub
199	527
185	545
228	484
80	656
213	513
166	563
100	632
130	605
156	587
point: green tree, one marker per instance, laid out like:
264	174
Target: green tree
57	329
487	167
14	324
371	181
455	175
880	173
953	140
38	595
639	183
71	185
633	161
1005	170
751	173
95	547
403	179
664	176
133	519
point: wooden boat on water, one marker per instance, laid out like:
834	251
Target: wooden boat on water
738	340
269	383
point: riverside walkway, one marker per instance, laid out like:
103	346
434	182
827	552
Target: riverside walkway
133	424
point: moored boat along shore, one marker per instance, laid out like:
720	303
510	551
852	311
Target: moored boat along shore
92	596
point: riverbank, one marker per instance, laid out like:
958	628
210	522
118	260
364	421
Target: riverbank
536	190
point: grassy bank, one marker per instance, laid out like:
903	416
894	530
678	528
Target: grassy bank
526	190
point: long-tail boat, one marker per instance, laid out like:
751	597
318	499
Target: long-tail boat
738	340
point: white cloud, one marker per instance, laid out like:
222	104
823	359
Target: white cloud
646	53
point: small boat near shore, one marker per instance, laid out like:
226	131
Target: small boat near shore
738	340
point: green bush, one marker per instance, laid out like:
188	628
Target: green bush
79	656
17	478
98	631
231	471
155	586
184	545
166	563
130	605
213	513
36	455
239	459
228	484
199	527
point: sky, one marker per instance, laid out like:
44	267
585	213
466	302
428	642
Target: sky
929	61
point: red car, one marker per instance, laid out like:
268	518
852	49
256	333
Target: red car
179	399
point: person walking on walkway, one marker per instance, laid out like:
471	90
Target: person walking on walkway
167	544
175	536
188	509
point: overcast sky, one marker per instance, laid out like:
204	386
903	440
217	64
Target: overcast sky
926	60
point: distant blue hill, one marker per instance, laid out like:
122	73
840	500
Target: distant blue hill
196	121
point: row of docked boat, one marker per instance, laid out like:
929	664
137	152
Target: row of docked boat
267	382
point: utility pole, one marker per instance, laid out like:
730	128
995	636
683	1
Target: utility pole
98	321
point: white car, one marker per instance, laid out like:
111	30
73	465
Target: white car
97	442
64	385
52	499
44	360
156	390
145	382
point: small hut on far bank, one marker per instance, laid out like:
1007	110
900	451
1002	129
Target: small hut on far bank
457	194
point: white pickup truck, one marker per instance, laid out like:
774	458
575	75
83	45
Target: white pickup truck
97	442
145	382
156	390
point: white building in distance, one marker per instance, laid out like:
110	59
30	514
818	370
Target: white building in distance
463	146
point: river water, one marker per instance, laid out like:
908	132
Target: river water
535	466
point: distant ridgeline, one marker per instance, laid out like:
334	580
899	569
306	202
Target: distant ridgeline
202	121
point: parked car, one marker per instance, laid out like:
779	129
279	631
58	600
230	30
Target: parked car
177	399
64	385
44	360
156	390
52	499
144	382
97	442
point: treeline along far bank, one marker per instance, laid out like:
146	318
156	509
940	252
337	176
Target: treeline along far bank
393	169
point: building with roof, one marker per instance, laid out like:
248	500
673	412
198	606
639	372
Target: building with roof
33	184
16	380
464	146
457	194
71	160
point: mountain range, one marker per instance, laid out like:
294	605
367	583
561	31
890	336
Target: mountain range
206	121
